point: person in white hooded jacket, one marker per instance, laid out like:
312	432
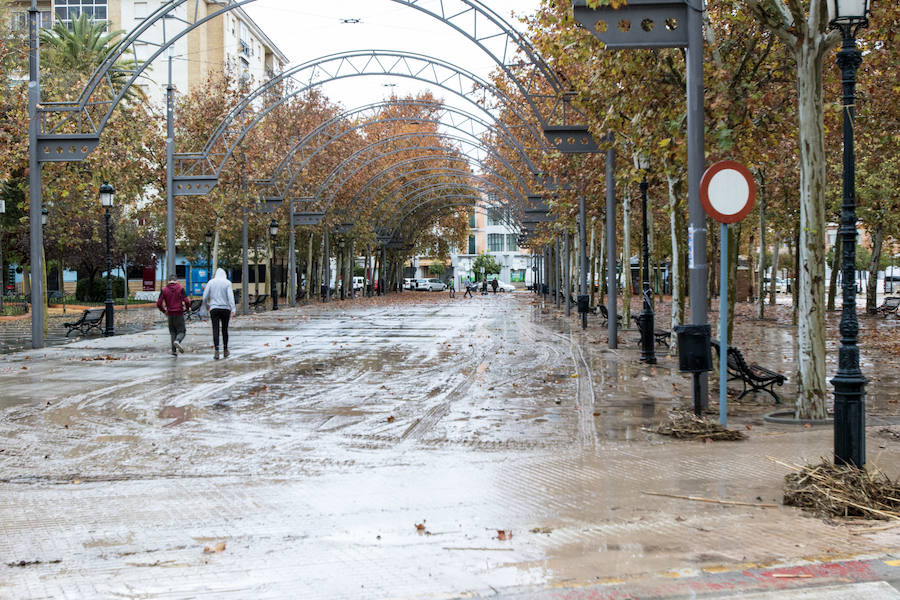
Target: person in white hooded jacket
218	299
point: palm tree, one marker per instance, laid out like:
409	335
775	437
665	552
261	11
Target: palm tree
77	52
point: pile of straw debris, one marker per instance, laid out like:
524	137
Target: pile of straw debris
685	425
834	490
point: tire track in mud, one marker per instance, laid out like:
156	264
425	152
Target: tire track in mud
433	415
584	390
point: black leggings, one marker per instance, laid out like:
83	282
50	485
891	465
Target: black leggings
220	316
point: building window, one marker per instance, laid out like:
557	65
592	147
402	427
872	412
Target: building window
472	244
19	21
69	10
495	242
141	10
512	242
472	221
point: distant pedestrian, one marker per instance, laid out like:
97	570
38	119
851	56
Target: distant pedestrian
484	287
452	289
173	302
468	293
218	298
494	285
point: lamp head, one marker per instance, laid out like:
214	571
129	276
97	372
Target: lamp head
642	162
273	228
848	12
209	237
107	192
44	215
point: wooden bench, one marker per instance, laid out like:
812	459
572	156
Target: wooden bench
756	377
604	314
890	305
90	319
258	301
194	310
660	336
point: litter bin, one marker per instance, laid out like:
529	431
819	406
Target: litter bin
584	304
694	356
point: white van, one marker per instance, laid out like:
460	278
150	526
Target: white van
358	284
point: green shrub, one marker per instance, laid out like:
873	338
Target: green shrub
95	291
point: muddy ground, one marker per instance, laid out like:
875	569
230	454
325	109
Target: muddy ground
407	447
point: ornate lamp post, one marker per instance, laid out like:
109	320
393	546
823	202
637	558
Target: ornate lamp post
648	352
848	16
107	192
273	231
209	239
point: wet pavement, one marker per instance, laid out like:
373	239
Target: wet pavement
413	447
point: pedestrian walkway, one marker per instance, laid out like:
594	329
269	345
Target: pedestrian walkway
415	447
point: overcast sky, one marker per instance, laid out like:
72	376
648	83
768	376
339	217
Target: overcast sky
308	29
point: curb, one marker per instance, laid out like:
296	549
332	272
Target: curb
786	417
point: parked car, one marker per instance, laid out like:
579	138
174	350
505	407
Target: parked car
358	284
431	285
781	286
409	284
505	287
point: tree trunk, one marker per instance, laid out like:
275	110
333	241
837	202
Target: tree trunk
761	267
872	283
309	266
676	274
627	287
835	269
773	281
593	264
601	260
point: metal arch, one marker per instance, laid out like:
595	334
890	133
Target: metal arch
418	136
209	162
336	128
282	188
88	117
437	209
428	190
437	191
454	172
431	174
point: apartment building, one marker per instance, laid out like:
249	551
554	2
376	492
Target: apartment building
491	232
232	40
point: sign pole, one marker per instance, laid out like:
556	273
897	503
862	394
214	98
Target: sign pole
723	326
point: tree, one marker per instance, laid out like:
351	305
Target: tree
486	262
69	54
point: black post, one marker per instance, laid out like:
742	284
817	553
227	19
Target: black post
849	383
648	352
274	282
110	310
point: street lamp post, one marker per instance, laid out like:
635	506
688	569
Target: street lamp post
273	231
849	384
209	239
647	318
343	269
107	192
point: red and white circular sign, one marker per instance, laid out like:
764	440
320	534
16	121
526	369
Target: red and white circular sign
727	191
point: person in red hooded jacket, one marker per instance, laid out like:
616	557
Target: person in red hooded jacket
173	302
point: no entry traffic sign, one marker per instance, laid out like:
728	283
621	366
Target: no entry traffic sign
727	191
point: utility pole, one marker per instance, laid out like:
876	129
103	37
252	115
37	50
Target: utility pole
34	180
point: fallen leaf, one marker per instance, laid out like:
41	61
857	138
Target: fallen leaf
504	534
215	548
390	419
420	526
748	426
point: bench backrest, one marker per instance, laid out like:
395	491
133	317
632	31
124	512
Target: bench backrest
892	302
94	314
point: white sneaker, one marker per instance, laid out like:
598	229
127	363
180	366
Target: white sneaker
179	347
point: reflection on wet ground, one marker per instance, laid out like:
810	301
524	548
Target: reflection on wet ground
330	432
